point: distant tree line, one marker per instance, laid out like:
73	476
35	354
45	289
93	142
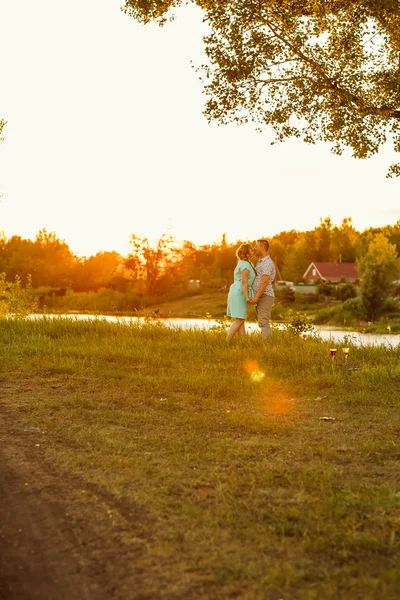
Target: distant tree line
153	270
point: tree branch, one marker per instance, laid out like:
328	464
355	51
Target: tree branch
333	85
280	79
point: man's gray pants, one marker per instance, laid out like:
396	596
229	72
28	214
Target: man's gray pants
263	309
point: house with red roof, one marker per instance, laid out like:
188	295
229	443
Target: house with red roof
331	271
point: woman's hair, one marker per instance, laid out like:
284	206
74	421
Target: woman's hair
243	251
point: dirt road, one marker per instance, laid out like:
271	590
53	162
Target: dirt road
55	545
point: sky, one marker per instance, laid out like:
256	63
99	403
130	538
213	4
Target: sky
105	137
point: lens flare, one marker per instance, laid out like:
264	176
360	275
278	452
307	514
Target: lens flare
257	376
277	399
251	366
253	369
279	404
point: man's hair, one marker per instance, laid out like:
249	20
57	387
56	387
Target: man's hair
265	244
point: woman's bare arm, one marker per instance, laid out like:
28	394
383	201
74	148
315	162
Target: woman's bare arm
245	283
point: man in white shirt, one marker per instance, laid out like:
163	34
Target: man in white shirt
264	296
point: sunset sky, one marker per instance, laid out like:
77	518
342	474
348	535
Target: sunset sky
106	137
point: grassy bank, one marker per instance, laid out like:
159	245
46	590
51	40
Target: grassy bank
112	302
239	489
320	313
214	303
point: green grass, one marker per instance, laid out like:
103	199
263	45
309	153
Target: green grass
339	316
196	305
241	490
110	302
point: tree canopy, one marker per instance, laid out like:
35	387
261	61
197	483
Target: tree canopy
156	268
324	70
378	267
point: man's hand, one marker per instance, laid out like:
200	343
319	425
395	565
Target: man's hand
253	300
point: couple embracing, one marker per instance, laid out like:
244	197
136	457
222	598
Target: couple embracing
252	285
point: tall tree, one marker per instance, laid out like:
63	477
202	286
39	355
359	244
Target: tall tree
324	234
343	242
151	262
392	232
299	256
312	69
16	258
378	269
51	260
96	271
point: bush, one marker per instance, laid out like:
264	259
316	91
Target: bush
105	300
342	291
392	305
307	299
285	295
326	288
325	315
352	306
345	291
297	323
16	299
340	314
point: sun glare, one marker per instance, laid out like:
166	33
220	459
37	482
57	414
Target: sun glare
276	398
278	403
253	369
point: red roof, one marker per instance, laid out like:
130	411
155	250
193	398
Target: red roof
336	271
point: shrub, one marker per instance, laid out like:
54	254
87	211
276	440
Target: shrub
392	305
345	291
326	288
286	295
307	299
298	323
105	300
352	306
16	299
340	314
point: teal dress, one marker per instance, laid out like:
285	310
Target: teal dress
237	304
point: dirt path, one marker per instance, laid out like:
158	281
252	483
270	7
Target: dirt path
53	545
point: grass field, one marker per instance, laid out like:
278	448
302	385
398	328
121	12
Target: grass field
197	305
239	490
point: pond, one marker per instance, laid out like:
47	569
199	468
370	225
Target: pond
326	333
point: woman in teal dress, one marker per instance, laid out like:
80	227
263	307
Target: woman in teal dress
241	290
